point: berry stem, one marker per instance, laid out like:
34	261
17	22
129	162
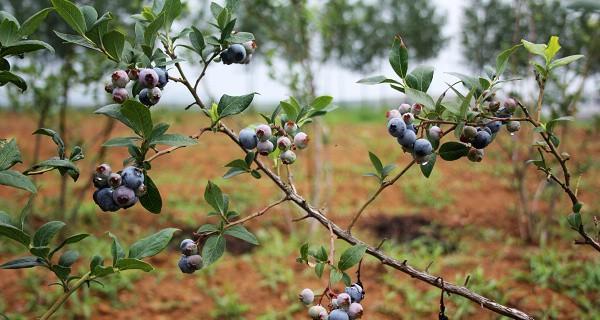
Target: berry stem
63	298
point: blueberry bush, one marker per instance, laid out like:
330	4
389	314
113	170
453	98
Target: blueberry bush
147	61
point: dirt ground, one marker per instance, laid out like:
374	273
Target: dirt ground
468	210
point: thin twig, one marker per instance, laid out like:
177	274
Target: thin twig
171	149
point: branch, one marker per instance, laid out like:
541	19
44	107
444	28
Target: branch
257	214
171	149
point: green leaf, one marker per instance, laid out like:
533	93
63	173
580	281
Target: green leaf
61	272
151	201
121	142
151	245
213	249
335	275
7	76
453	150
215	9
9	32
176	140
240	37
139	117
320	254
420	78
420	97
464	106
16	179
68	258
534	48
377	80
102	271
72	239
214	197
90	15
351	256
564	61
399	57
114	111
133	264
71	14
197	40
574	220
468	81
426	169
21	263
230	105
15	233
172	10
550	125
41	251
319	268
96	261
223	18
55	164
207	228
376	163
502	59
24	46
240	232
577	207
346	279
9	154
304	252
232	172
33	22
46	232
321	102
116	249
551	49
55	138
78	40
152	29
114	42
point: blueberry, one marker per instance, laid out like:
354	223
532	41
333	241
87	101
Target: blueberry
114	180
265	147
150	97
355	311
249	46
163	77
263	132
468	133
408	118
513	126
288	157
133	74
344	300
396	127
119	95
404	108
247	59
141	191
494	126
482	139
248	139
315	312
188	247
237	53
132	177
104	199
119	79
334	303
306	296
510	104
99	181
195	261
356	292
416	109
338	315
124	197
301	140
184	265
148	78
408	139
103	170
411	127
394	113
108	87
434	133
226	57
144	97
284	143
422	147
488	130
494	105
475	155
290	127
503	113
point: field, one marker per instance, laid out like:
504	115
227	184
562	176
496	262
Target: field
461	222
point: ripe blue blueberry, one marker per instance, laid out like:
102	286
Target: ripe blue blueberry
124	197
475	155
184	266
394	113
306	296
338	315
290	127
422	147
355	311
408	139
265	147
356	292
132	177
482	139
104	199
315	312
119	95
513	126
237	53
100	182
148	78
248	139
434	133
396	127
494	126
288	157
195	262
411	127
284	143
404	108
263	132
114	180
188	247
163	77
503	113
301	140
119	79
150	97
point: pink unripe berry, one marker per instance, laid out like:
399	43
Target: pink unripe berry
120	79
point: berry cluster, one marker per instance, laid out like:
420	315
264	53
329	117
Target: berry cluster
400	126
118	190
343	306
190	260
152	81
265	138
239	53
